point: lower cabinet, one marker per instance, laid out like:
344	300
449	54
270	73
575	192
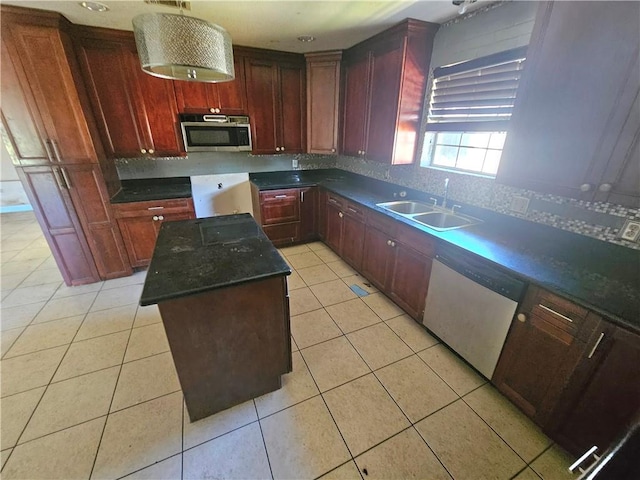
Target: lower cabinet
398	261
573	373
345	225
71	204
140	223
287	216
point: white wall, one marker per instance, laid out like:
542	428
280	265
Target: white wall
501	28
12	196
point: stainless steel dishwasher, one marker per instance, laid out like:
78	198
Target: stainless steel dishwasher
470	305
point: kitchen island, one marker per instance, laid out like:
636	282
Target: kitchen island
221	289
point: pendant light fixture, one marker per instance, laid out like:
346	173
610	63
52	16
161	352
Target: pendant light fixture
178	47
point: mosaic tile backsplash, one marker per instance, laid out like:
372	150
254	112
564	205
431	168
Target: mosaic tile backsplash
594	219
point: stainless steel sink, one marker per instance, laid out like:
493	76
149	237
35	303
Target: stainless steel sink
407	207
429	215
442	221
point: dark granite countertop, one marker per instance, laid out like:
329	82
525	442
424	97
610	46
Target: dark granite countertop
149	189
195	256
598	275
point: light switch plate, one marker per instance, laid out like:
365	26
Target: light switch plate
294	163
630	230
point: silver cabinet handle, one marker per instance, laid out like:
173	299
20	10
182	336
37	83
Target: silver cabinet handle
58	178
54	144
301	196
280	196
595	347
332	200
580	461
554	312
66	178
155	208
352	210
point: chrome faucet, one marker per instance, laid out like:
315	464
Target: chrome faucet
446	192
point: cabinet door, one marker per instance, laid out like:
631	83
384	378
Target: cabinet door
385	90
23	128
377	259
322	214
262	78
91	200
544	338
352	240
292	138
158	111
108	74
308	213
45	54
356	106
410	280
333	235
226	98
280	206
569	110
323	88
604	405
139	234
54	210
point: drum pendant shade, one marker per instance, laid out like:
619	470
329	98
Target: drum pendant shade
177	47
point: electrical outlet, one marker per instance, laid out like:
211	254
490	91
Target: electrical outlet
519	204
294	163
630	230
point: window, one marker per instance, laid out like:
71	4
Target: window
470	104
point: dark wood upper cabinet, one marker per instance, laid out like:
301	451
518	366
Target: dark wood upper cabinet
575	124
384	86
227	98
136	112
323	101
276	101
39	59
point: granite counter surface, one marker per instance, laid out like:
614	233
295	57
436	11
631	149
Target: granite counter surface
195	256
150	189
600	276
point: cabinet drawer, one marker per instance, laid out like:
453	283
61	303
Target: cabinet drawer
336	201
382	223
559	312
155	207
418	241
355	211
284	234
279	206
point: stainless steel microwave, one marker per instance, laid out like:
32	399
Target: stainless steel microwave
215	133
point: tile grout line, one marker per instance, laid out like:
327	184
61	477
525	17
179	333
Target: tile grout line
264	442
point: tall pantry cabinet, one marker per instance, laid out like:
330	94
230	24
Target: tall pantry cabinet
54	146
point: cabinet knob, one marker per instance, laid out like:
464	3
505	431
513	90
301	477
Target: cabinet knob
585	187
155	218
522	317
340	214
277	149
605	187
282	149
333	150
150	150
143	150
389	242
393	244
160	217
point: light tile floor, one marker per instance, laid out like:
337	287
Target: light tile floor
89	389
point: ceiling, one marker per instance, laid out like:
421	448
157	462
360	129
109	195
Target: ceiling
273	24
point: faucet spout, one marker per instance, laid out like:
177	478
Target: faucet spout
446	192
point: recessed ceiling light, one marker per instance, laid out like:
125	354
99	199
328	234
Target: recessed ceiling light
306	38
94	6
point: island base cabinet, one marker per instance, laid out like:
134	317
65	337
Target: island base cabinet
229	345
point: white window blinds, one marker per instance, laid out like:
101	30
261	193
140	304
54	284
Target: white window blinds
476	95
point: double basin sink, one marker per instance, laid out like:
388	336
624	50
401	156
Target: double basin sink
429	215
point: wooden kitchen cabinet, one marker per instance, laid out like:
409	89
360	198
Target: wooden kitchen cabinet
136	112
575	126
323	101
385	81
56	214
398	261
42	73
541	352
288	215
276	101
140	223
603	396
345	227
226	98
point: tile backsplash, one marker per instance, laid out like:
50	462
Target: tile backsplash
594	219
